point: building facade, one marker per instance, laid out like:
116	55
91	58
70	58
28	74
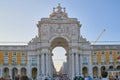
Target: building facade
35	59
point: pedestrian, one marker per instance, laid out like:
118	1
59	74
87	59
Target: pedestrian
89	78
16	78
104	75
75	78
24	78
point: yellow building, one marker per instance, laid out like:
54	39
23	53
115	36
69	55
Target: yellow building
105	57
13	60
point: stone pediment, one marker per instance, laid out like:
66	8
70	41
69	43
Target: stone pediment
59	13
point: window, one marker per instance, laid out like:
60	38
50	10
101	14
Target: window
14	58
23	54
14	54
14	61
23	58
118	56
95	58
6	53
111	57
34	61
5	60
103	57
118	52
6	57
84	60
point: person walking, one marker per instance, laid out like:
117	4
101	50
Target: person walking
104	75
24	78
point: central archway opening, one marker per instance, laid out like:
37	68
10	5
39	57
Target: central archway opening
59	50
59	58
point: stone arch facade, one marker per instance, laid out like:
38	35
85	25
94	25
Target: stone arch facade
59	30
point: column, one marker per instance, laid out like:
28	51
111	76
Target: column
99	70
38	65
29	66
69	65
3	72
10	72
90	66
19	71
50	65
73	66
77	64
43	64
47	70
81	73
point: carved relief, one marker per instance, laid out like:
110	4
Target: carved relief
74	29
44	31
60	29
68	30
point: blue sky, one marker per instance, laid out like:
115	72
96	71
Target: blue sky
18	19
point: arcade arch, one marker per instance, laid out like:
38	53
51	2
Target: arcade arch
85	71
14	72
118	67
6	72
23	71
61	44
103	68
95	71
59	57
34	73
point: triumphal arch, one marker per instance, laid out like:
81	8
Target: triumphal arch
60	30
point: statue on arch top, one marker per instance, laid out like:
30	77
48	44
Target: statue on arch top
58	12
